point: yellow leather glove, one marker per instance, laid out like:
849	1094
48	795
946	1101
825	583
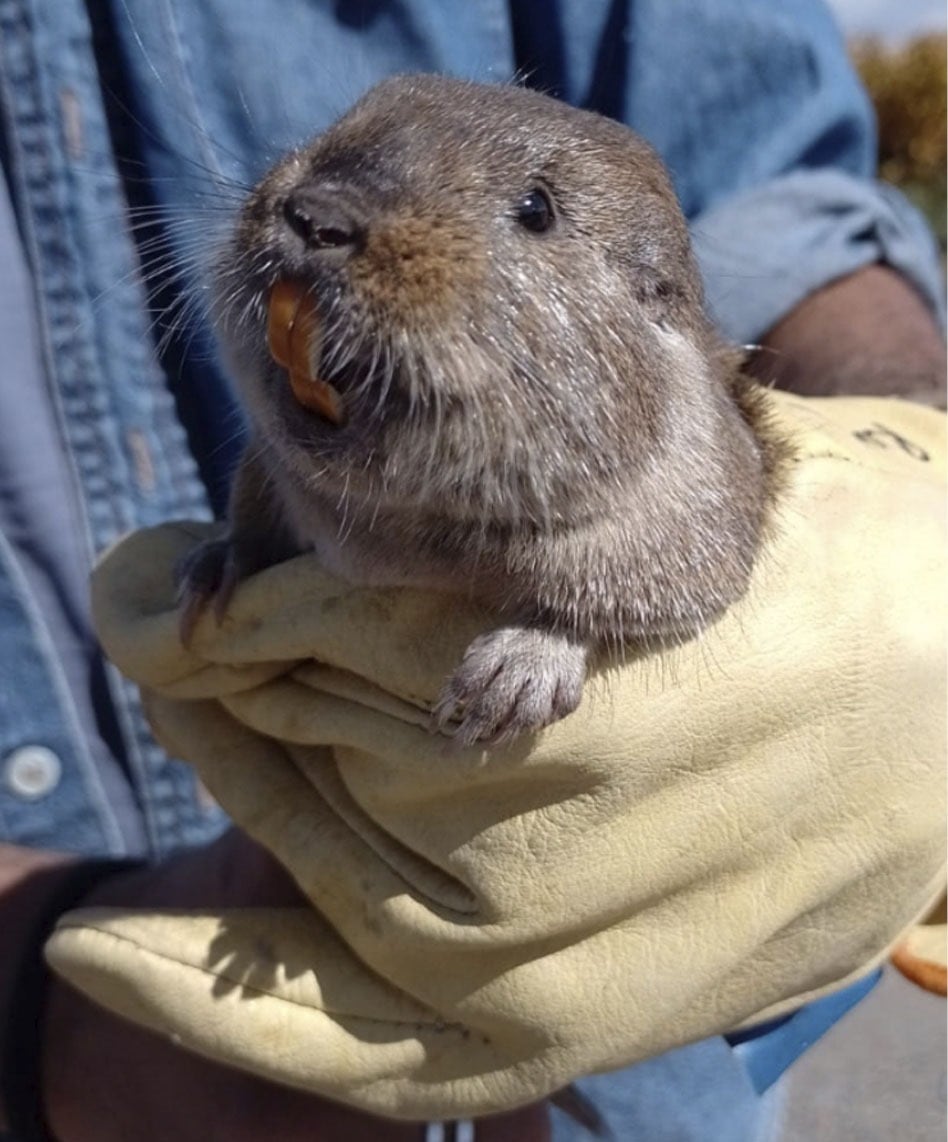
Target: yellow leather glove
719	834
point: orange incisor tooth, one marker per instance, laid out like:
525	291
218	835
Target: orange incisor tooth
292	322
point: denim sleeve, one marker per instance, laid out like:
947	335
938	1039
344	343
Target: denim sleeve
765	249
770	139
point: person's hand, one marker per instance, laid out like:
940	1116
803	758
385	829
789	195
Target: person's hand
108	1081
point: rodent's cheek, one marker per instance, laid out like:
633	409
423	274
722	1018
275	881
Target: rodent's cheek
278	415
250	366
412	266
275	415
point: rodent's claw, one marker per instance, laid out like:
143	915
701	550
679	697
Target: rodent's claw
511	681
206	575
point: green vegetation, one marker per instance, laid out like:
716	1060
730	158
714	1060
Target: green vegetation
908	88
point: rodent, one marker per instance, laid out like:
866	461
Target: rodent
538	412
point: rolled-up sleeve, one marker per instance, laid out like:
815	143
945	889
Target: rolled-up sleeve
767	248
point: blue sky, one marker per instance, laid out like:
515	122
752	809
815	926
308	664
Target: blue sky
892	19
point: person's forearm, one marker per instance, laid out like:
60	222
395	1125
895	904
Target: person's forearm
28	880
869	333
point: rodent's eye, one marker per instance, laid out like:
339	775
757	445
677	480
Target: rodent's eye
535	211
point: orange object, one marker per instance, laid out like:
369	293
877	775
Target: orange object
292	325
921	957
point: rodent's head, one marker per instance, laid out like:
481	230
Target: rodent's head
505	296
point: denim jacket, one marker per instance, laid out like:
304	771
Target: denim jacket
114	415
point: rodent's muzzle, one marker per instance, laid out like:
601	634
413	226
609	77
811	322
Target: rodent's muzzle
327	219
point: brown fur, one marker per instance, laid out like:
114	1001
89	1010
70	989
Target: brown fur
544	421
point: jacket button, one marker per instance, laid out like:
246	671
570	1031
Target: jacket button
31	772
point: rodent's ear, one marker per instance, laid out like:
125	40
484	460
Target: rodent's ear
659	296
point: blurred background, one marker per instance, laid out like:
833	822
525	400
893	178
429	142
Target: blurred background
899	48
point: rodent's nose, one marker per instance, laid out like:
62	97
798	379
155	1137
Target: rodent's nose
323	219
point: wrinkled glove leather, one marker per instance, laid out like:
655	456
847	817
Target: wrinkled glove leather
720	833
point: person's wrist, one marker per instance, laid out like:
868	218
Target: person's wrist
29	879
869	334
230	872
37	889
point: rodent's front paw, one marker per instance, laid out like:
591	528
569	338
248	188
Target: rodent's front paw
206	575
511	681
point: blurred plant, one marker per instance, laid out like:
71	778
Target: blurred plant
909	88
